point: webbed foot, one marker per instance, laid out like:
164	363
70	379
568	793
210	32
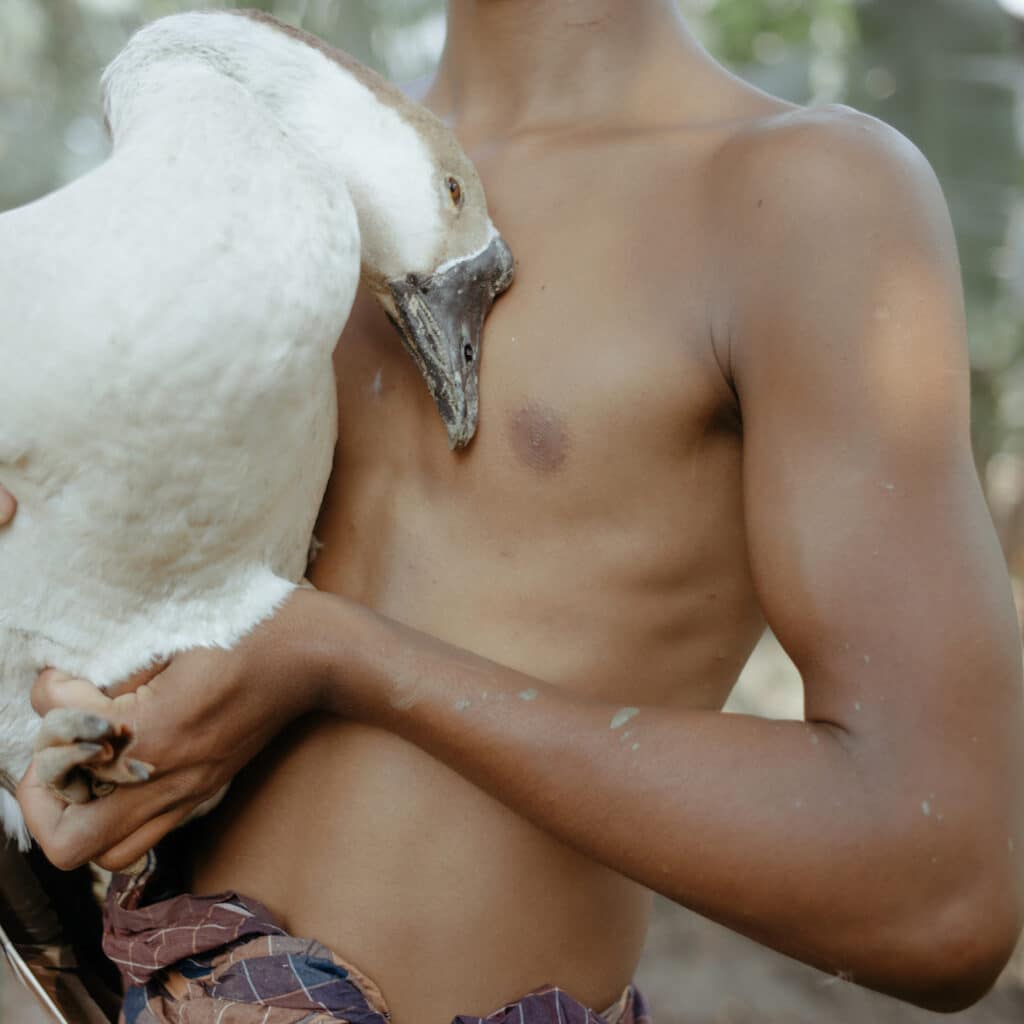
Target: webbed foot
80	755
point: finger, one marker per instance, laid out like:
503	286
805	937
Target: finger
71	835
53	689
122	771
40	805
62	726
137	679
141	842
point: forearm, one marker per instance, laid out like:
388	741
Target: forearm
771	828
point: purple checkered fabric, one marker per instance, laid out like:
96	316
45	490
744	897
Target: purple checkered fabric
551	1005
223	960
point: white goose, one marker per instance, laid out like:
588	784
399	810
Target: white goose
167	401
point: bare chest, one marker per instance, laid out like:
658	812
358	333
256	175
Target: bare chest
598	358
602	492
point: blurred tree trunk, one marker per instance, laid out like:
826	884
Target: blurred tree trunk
948	81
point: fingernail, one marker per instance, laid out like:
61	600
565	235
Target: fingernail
139	769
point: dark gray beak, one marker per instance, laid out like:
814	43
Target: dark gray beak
441	319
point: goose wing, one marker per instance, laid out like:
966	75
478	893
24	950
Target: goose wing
167	400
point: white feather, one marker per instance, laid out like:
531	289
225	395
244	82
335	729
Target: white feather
166	331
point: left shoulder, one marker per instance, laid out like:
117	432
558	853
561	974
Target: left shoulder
824	137
818	170
842	250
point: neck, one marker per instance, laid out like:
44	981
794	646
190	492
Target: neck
346	117
519	66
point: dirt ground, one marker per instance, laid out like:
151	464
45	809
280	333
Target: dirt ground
696	972
16	1005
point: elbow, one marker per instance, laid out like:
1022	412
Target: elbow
960	949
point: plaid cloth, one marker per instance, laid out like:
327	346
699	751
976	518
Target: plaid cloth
223	960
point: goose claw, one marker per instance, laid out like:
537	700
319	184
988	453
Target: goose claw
60	768
79	756
68	725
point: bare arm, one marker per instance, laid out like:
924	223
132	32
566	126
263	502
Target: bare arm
881	838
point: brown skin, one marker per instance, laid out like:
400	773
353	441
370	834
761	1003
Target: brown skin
729	386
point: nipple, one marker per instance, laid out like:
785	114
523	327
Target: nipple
539	437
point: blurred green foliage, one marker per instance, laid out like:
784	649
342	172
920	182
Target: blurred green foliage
742	32
947	73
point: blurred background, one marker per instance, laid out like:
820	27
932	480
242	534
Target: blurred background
947	73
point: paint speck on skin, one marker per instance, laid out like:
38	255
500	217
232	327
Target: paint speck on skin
856	705
622	716
636	746
403	698
814	737
378	383
798	803
530	694
867	659
1010	845
890	487
463	704
838	977
926	808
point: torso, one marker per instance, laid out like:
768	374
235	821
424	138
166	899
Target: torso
591	536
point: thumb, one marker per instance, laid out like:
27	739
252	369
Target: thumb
137	680
54	689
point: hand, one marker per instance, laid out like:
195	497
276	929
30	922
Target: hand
196	723
8	506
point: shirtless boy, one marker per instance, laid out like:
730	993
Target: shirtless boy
729	387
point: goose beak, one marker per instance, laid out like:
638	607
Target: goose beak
441	318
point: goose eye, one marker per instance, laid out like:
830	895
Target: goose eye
455	191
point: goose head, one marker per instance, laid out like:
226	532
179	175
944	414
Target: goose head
431	255
435	262
429	251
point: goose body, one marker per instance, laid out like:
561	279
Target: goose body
167	399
